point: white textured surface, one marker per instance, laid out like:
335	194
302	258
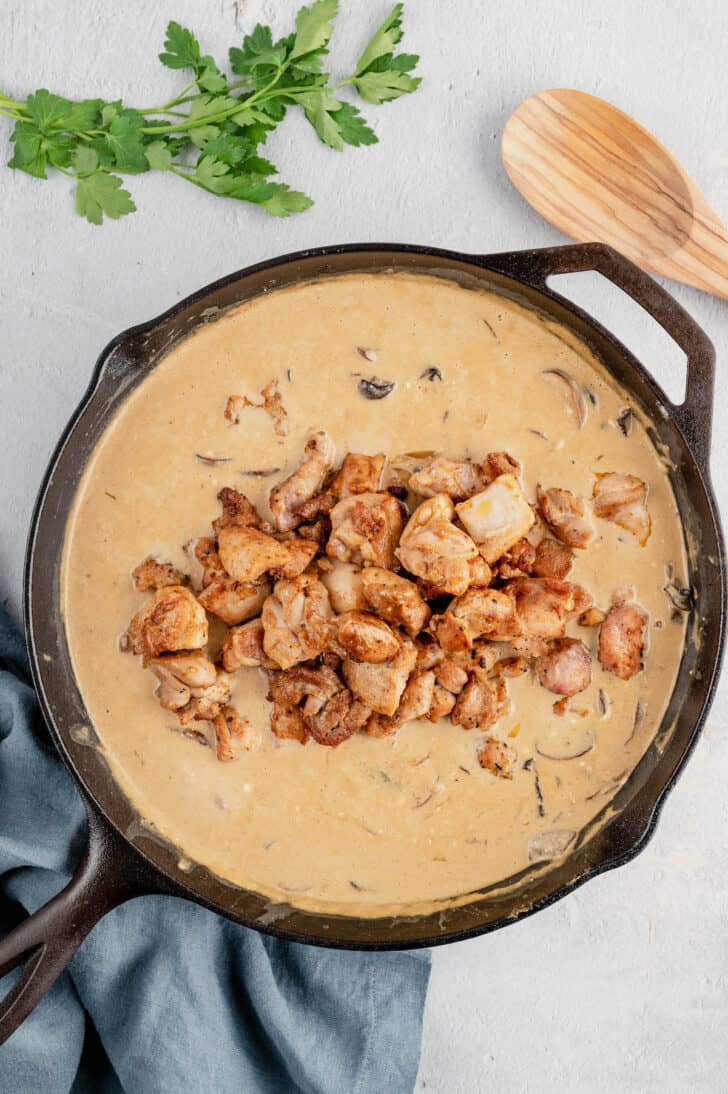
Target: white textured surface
623	986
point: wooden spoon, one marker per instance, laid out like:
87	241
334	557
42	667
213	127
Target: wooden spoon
597	174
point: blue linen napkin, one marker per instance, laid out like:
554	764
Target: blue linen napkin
164	996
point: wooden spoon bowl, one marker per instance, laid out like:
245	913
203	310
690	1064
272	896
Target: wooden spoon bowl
595	173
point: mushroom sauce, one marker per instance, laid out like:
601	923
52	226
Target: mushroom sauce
392	363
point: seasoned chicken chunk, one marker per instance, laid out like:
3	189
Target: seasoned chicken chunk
180	674
622	638
451	676
234	601
498	757
288	723
244	648
358	475
152	574
365	528
541	606
441	475
329	711
517	560
499	463
442	703
395	599
416	702
497	517
479	661
435	550
296	621
344	583
553	559
623	500
170	620
237	511
564	514
205	551
304	685
301	553
286	499
477	612
342	716
363	637
205	703
247	553
566	668
380	687
234	734
481	703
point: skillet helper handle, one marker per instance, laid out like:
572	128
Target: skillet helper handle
694	416
109	874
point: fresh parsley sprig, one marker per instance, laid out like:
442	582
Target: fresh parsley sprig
211	132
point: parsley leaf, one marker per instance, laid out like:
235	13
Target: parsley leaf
182	50
380	75
126	141
159	156
102	195
314	27
29	154
384	40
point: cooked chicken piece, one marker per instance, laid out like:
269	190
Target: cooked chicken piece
286	498
234	734
553	559
510	666
318	532
358	475
499	463
237	511
288	723
592	617
429	651
541	606
320	505
566	668
244	648
481	703
415	703
344	583
395	599
301	552
272	404
442	703
480	572
380	687
178	673
477	612
564	514
303	684
342	716
205	703
364	637
622	639
526	646
497	517
623	500
152	574
498	757
296	621
441	475
518	560
247	553
365	528
205	551
435	550
234	601
170	620
451	676
479	661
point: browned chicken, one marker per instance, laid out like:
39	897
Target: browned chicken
395	599
296	621
243	648
416	702
518	560
152	574
247	553
234	601
364	637
288	723
623	500
344	583
205	703
477	612
433	549
566	668
498	757
564	514
286	499
497	517
328	710
365	528
342	716
234	734
237	511
553	559
301	552
170	620
451	676
441	475
205	551
179	674
542	606
499	463
380	687
481	703
442	703
358	475
622	638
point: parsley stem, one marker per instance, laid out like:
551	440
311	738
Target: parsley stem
172	102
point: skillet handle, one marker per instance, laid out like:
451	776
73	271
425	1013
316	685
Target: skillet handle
694	416
110	873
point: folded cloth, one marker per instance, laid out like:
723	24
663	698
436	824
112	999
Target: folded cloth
164	996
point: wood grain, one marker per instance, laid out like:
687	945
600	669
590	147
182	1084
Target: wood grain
597	174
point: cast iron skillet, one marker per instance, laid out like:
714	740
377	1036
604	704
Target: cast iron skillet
122	859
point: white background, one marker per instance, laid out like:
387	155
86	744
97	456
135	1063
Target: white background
622	986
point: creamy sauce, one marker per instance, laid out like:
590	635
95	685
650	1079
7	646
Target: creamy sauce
374	825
